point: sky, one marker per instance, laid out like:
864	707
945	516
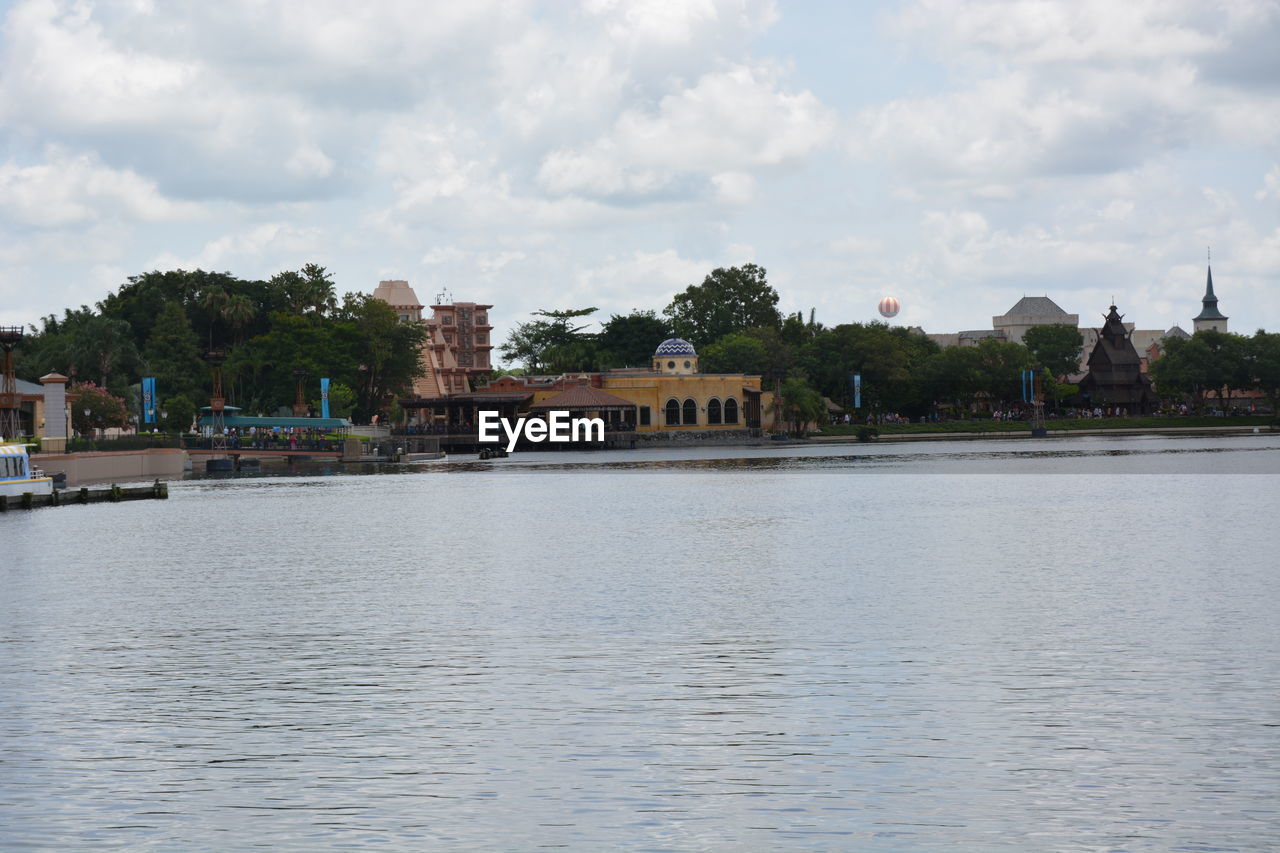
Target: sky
955	155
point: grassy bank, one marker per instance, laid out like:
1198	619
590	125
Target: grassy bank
988	426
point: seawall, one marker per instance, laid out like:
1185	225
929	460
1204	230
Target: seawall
117	465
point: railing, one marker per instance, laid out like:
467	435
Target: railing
142	441
320	443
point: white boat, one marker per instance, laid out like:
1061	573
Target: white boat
18	476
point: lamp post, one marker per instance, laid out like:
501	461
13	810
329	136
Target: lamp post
363	396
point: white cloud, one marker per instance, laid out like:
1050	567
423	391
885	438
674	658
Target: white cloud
308	161
76	189
257	250
731	120
1270	185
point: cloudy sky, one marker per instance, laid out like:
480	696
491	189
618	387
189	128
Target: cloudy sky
609	153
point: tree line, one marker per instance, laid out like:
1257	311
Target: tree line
166	324
732	318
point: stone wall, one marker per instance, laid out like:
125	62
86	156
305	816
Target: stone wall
116	466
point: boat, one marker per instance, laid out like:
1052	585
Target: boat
18	476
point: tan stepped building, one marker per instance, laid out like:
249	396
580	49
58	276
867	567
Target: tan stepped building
459	339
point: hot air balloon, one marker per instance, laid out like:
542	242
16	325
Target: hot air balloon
889	307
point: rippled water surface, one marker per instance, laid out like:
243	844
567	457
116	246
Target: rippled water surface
1069	644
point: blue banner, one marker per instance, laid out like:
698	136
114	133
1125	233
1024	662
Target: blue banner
324	398
149	400
857	390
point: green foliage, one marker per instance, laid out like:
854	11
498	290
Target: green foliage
736	352
1055	347
800	405
890	361
308	291
93	407
728	300
178	413
1000	365
629	340
1209	362
554	344
342	401
1264	364
81	345
266	329
173	354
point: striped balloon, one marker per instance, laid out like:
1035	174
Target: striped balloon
889	307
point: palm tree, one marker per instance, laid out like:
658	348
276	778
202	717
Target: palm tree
213	300
104	343
239	311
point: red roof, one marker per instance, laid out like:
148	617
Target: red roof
583	397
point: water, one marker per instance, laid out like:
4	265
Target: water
1069	644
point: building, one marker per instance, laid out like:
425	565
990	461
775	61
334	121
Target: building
669	397
1115	378
459	340
1028	312
1209	317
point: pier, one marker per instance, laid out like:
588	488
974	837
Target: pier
86	495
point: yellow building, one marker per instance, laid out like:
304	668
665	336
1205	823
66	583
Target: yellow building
672	396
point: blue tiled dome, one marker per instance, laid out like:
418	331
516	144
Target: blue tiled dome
675	346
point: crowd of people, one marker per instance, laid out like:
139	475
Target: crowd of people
281	438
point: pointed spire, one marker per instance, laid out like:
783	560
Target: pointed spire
1209	309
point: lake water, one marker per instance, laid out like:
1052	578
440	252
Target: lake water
1067	644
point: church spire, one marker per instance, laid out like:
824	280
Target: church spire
1209	317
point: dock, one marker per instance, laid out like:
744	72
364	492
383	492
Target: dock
86	495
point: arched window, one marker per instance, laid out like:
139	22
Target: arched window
731	411
690	412
673	412
713	411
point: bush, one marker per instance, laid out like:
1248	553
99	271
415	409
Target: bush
179	412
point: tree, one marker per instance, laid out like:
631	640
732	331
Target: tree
307	291
728	300
629	340
1000	365
800	405
177	414
173	354
93	407
239	312
342	400
213	299
103	347
952	377
1209	361
1264	363
1055	347
553	344
737	352
385	351
1182	369
888	359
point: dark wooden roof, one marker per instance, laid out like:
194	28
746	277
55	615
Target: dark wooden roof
586	398
467	400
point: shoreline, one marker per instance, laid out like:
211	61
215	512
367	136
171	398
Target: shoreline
1051	433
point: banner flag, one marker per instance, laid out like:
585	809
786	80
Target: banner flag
324	398
857	390
149	399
